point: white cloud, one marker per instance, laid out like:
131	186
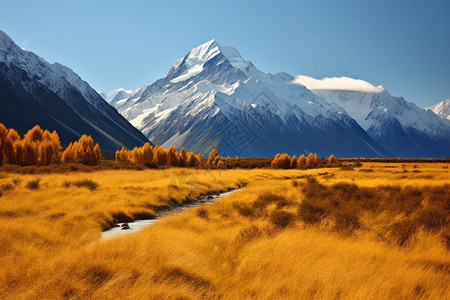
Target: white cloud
337	83
22	45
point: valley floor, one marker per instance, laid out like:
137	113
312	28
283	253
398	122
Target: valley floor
377	231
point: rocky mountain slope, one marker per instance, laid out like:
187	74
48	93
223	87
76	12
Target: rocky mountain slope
213	98
33	91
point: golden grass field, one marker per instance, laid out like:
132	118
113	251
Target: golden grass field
379	231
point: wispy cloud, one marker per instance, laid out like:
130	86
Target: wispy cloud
337	83
22	45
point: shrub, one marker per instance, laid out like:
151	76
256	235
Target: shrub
310	213
332	159
249	233
202	213
268	198
87	183
243	208
6	187
281	218
33	184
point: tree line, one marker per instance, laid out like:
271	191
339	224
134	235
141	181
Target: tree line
42	147
156	156
284	161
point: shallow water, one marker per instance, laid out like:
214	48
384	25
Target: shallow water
140	224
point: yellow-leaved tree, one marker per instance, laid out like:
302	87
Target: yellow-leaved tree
82	151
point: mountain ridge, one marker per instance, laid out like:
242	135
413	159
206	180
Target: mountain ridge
64	101
442	109
212	90
400	126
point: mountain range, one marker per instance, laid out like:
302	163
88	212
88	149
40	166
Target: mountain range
33	91
212	97
403	128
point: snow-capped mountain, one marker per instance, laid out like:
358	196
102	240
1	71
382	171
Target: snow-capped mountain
33	91
441	109
118	96
212	97
400	126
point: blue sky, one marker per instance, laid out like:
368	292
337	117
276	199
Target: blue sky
403	45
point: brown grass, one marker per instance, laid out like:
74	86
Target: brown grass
87	183
33	184
262	242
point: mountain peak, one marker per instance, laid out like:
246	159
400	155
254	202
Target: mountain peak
441	109
192	64
4	38
6	43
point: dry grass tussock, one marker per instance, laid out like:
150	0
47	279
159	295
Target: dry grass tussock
275	239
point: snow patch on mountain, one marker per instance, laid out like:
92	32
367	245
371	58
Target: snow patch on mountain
442	109
112	94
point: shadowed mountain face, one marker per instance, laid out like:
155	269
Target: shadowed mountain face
32	91
212	98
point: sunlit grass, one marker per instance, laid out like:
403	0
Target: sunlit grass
251	244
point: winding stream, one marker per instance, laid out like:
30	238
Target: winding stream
164	212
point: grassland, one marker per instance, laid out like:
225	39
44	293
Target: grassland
376	231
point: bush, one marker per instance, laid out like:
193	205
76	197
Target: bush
202	213
243	208
249	233
87	183
281	218
266	199
409	208
33	184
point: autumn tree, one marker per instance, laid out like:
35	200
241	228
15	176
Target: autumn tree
68	155
123	155
212	156
183	157
82	151
147	153
220	163
19	152
200	159
3	134
332	160
9	154
173	156
294	162
136	155
312	160
49	149
161	157
274	163
301	163
192	160
281	161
